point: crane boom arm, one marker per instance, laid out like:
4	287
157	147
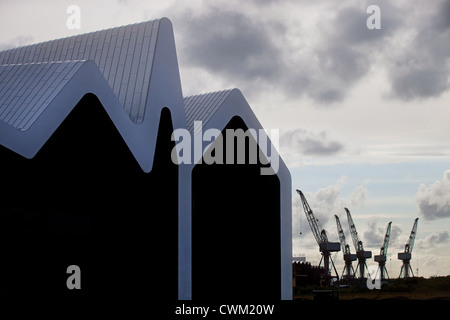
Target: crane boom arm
357	243
384	248
412	237
344	245
312	220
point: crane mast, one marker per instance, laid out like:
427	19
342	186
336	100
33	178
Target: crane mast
313	222
356	242
325	247
406	255
384	248
348	272
344	245
412	237
381	258
361	254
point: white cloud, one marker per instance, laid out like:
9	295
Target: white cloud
434	200
358	196
433	240
374	235
325	203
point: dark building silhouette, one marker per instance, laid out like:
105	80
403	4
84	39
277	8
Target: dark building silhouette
305	274
81	200
89	179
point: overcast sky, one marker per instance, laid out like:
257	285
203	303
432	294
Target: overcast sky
363	114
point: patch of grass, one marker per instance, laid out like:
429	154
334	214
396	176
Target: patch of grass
397	289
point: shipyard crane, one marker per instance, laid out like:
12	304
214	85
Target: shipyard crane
325	247
361	254
381	258
348	272
406	255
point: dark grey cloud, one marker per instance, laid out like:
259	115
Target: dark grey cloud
252	46
433	200
443	17
417	68
253	49
345	53
350	24
231	44
422	69
348	50
311	144
420	81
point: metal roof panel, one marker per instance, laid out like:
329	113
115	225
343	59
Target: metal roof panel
123	54
201	107
30	88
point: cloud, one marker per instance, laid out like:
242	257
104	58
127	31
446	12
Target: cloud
420	79
231	44
261	50
410	46
325	203
358	196
396	232
422	69
310	143
374	235
433	240
307	54
434	200
347	51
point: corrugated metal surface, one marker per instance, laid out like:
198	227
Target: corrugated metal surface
27	89
123	54
201	107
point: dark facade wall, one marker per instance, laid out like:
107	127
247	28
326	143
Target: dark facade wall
235	232
84	200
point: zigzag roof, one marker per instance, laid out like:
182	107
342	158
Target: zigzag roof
124	56
27	89
203	106
132	69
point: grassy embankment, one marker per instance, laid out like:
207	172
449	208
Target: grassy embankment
435	288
